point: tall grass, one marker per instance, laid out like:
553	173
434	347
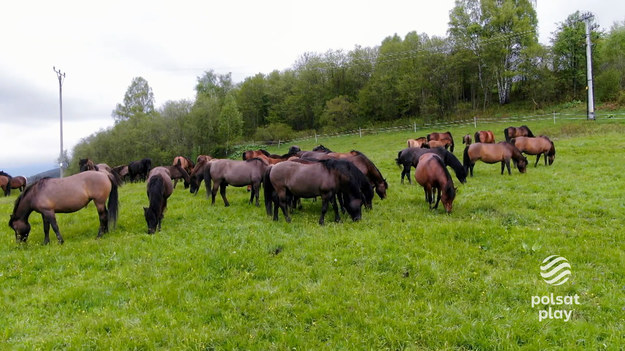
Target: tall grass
404	277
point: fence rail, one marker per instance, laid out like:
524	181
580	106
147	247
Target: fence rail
444	124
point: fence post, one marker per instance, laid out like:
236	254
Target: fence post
360	131
554	117
414	127
315	136
475	121
278	143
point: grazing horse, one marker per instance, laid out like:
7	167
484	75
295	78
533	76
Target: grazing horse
485	136
418	142
513	132
536	146
138	170
18	182
197	174
5	183
64	195
187	165
409	158
433	176
224	172
307	179
177	172
466	139
159	189
446	138
122	171
493	153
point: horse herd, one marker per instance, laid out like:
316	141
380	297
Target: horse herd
346	181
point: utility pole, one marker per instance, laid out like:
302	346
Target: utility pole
589	87
61	77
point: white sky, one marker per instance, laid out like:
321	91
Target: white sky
102	46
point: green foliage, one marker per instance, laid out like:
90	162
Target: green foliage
404	277
339	114
230	123
138	101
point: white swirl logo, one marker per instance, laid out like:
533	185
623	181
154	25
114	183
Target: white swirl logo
555	270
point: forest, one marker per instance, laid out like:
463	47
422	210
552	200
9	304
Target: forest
489	60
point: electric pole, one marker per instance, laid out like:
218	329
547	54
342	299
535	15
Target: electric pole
589	87
61	77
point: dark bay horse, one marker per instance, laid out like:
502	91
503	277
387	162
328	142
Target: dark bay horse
433	176
418	142
484	136
224	172
18	182
493	153
177	172
409	157
307	179
466	139
446	138
159	189
513	132
5	183
65	195
187	165
541	145
197	175
138	170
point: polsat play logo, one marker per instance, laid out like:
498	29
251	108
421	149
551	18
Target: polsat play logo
555	270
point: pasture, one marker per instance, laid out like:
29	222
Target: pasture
404	277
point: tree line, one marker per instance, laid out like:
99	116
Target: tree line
491	56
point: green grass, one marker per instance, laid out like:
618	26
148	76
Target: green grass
404	277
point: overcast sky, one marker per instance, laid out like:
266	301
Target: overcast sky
102	46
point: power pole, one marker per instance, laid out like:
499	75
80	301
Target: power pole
61	77
589	87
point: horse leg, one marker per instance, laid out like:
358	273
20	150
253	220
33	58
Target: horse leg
438	197
337	218
104	224
162	214
508	166
252	192
51	219
46	230
175	183
282	202
406	173
538	158
222	191
324	209
214	192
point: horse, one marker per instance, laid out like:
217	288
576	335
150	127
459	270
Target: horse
177	172
5	183
466	139
418	142
224	172
159	189
361	161
433	176
485	136
493	153
446	138
541	145
513	132
65	195
18	182
187	165
138	170
409	157
197	174
122	171
202	157
85	164
306	179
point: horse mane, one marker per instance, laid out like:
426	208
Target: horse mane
155	193
449	188
3	173
356	178
29	189
529	132
552	151
322	148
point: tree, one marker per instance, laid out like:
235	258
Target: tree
230	123
138	101
611	77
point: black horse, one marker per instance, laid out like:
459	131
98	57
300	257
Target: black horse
409	157
138	170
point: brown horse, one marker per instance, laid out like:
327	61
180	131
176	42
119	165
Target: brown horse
224	172
418	142
513	132
202	157
446	138
307	179
433	176
466	139
493	153
536	146
176	173
5	183
86	164
18	182
187	165
159	189
485	136
64	195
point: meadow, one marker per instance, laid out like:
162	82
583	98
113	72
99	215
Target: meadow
404	277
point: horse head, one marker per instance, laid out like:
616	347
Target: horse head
21	228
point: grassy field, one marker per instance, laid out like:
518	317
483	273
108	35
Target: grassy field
404	277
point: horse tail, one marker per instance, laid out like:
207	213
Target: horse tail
113	203
466	160
449	187
427	137
452	161
529	132
477	137
399	160
506	135
269	190
183	172
7	191
451	148
207	178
